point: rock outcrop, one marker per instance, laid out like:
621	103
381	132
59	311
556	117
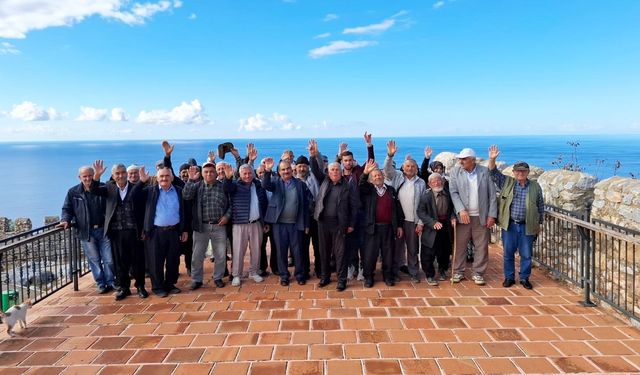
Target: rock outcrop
572	191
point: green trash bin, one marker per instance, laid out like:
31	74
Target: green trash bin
9	298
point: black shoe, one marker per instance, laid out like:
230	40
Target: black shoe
404	269
390	282
195	285
173	290
507	283
302	282
284	282
342	285
526	284
323	283
160	293
368	283
212	259
263	273
226	272
142	292
122	294
103	289
469	259
219	283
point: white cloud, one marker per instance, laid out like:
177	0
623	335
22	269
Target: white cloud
339	46
7	48
185	113
375	28
118	115
438	4
322	36
330	17
193	16
92	114
262	123
29	111
18	17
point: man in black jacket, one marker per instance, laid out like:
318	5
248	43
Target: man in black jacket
123	225
336	209
382	217
86	212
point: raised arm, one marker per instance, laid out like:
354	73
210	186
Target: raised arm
389	170
497	176
315	161
267	180
368	142
190	188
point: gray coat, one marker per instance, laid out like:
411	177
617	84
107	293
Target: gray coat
459	190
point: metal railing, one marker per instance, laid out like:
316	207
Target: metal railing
600	257
38	263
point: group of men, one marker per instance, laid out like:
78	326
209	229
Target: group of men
353	215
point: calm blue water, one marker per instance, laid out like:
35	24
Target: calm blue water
39	174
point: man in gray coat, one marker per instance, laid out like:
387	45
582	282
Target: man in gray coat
474	200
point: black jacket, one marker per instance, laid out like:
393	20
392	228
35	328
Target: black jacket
369	199
428	213
76	212
111	192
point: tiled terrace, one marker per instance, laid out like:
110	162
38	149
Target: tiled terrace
268	329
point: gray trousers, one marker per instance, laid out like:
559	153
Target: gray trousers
243	235
480	236
407	248
218	236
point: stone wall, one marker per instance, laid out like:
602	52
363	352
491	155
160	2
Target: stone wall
617	200
568	190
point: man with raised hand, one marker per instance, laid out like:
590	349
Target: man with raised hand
410	189
382	220
124	221
336	210
520	215
474	200
248	204
86	211
288	213
210	212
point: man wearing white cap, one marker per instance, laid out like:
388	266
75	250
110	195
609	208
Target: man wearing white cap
474	198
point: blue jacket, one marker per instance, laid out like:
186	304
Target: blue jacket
275	185
240	194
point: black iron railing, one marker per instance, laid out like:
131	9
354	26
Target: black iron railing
36	264
601	258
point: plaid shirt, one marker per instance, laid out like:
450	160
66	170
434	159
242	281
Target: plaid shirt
214	201
518	209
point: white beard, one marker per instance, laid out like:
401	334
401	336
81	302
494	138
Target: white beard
436	190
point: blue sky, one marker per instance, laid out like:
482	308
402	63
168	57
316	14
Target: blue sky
115	69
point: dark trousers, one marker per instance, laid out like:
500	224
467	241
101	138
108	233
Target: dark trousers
288	237
164	258
381	242
441	251
128	254
332	239
311	238
273	256
355	244
186	249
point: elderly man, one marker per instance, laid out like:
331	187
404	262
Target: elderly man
133	174
382	219
336	209
210	212
123	225
520	215
288	212
436	212
164	229
410	189
86	211
474	200
249	204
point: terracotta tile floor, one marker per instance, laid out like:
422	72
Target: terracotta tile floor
269	329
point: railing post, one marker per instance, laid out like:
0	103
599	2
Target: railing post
73	259
587	251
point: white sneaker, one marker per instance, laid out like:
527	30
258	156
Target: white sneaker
257	278
236	281
456	278
350	271
478	279
431	281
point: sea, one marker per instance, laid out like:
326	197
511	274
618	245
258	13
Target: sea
38	174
